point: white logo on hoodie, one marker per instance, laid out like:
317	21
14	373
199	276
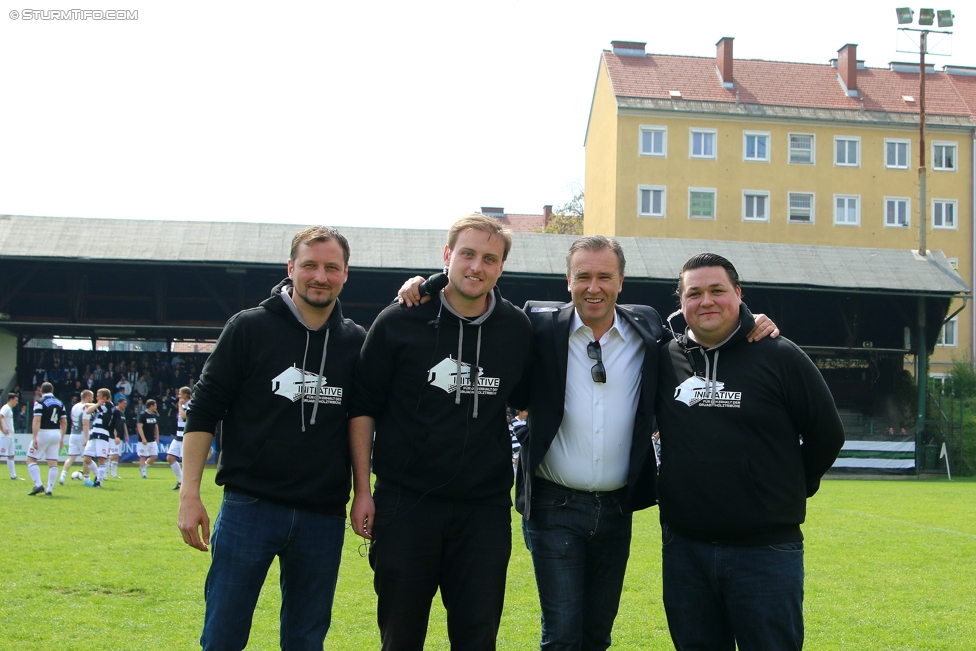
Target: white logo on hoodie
444	376
696	390
295	384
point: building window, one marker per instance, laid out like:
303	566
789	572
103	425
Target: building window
653	141
847	151
954	263
703	143
949	337
944	213
847	210
944	156
801	148
896	154
651	200
755	205
755	146
896	212
701	203
801	208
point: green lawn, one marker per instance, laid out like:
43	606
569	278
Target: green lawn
889	565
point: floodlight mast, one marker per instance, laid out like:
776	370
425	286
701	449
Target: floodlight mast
925	17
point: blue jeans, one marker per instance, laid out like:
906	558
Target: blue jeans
580	543
247	535
717	596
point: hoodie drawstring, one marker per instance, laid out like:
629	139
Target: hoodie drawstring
318	385
711	376
301	397
475	371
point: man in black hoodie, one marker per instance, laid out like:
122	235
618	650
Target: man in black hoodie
433	382
747	432
278	378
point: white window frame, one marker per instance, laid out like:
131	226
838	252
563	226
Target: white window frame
664	200
846	139
745	146
908	153
953	328
954	263
813	208
813	149
653	128
857	209
692	132
955	214
714	194
908	212
753	194
955	155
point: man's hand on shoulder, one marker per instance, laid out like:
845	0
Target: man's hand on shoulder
409	294
764	327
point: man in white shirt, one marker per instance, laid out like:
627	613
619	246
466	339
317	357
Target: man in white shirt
7	433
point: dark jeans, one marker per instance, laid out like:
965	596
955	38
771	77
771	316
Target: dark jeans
247	535
719	596
580	543
420	545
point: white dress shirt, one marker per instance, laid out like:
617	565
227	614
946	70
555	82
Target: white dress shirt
591	450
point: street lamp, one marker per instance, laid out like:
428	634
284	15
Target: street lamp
925	17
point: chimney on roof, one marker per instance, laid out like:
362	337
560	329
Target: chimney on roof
492	211
723	60
546	215
628	48
847	68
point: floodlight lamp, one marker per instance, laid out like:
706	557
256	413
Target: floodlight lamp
905	15
945	18
926	16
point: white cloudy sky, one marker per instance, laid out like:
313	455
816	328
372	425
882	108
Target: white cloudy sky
394	114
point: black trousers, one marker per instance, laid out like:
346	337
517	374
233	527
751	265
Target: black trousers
422	545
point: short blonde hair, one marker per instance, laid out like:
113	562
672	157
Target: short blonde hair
483	223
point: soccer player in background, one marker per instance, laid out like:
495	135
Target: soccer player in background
7	434
48	428
148	429
175	452
78	439
121	433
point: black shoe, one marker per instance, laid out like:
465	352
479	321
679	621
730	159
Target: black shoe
177	487
97	484
49	493
36	490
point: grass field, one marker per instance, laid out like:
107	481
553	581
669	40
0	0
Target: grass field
889	565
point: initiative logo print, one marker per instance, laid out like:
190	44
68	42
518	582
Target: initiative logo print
295	384
445	376
697	390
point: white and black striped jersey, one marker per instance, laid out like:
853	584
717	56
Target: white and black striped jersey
181	422
51	410
103	422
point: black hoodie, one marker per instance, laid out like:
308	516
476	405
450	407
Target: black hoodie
732	418
434	435
277	441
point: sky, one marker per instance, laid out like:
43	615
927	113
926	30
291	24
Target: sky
388	114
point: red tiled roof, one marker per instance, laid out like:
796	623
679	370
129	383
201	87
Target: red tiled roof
779	83
523	223
966	87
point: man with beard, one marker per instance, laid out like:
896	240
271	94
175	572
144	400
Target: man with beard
278	380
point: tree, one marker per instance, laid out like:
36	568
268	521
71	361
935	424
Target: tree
567	219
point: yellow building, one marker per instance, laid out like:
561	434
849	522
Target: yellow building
766	151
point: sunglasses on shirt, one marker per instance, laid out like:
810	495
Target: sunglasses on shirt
598	371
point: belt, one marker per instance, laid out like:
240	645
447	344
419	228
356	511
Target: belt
99	437
545	483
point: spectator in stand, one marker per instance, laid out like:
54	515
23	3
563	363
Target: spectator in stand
21	418
141	385
124	386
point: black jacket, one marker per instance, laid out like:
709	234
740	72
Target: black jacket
432	439
733	469
546	396
261	382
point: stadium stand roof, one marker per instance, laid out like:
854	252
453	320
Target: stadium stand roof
656	259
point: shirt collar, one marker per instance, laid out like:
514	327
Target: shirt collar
619	326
